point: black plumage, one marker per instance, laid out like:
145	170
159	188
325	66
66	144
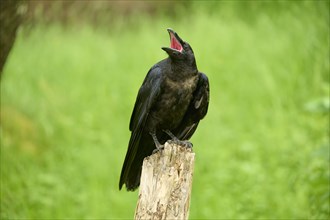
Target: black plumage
172	100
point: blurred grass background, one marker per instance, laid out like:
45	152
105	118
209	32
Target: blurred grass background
70	83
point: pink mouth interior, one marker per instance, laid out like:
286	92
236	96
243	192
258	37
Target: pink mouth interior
175	44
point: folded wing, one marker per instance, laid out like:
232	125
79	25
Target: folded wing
147	95
196	110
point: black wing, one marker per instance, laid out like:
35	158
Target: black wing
147	95
196	110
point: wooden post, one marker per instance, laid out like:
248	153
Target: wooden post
166	183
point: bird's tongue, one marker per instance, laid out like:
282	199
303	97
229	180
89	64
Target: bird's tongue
175	44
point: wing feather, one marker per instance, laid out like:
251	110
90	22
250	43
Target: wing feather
196	110
146	97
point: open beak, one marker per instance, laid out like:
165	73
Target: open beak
175	42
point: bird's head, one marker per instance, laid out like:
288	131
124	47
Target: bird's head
179	49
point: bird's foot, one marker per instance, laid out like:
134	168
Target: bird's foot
159	148
176	140
184	143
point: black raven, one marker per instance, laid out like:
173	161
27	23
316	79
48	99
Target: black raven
172	100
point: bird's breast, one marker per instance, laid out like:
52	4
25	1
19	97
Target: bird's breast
173	102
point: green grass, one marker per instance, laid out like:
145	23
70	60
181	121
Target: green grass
262	152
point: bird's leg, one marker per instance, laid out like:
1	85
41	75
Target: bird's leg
169	133
176	140
159	146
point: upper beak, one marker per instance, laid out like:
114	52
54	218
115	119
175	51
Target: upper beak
171	31
175	42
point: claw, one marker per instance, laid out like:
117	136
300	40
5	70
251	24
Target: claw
186	143
158	149
176	140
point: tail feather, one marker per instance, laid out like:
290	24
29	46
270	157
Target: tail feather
131	172
130	156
